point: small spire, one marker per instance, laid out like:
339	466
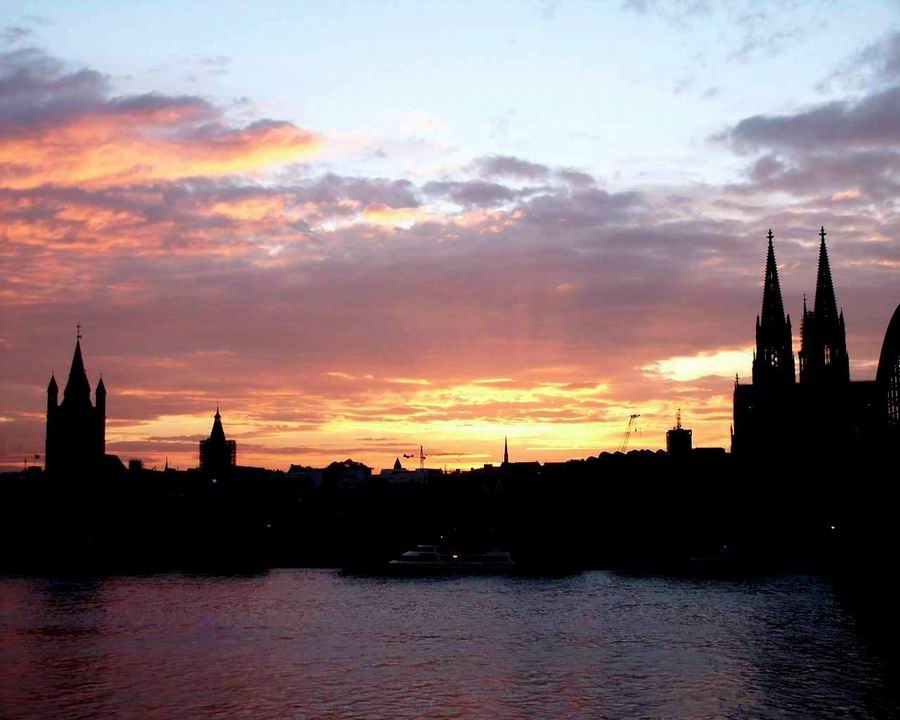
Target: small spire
505	451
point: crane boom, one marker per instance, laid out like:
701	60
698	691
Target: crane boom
623	447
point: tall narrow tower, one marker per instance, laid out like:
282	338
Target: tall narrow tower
505	451
823	349
773	361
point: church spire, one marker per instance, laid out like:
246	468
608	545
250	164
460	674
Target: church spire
772	304
823	347
505	451
825	306
77	387
773	362
218	432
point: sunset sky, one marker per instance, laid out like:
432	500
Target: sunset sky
362	227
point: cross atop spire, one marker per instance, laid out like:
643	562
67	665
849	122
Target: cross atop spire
825	306
770	236
78	331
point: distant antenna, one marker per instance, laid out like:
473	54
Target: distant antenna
421	458
678	418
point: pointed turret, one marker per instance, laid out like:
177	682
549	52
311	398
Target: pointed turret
505	451
397	465
773	361
52	389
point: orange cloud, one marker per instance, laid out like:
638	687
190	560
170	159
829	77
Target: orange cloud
103	150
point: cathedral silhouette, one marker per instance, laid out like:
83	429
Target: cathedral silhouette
825	412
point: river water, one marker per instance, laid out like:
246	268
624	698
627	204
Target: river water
317	643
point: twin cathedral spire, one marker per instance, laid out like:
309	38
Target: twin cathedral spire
823	343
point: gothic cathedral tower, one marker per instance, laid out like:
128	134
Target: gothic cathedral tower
823	350
773	361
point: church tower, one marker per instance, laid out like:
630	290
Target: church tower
217	455
823	350
76	429
773	361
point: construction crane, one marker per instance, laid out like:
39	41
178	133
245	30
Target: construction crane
623	448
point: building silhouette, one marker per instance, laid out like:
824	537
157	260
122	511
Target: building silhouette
825	412
218	456
76	428
679	440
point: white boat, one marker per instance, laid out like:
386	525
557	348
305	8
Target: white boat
433	559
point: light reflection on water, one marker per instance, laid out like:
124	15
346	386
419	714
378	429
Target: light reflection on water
310	643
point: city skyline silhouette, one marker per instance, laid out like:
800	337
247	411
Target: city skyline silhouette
442	262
